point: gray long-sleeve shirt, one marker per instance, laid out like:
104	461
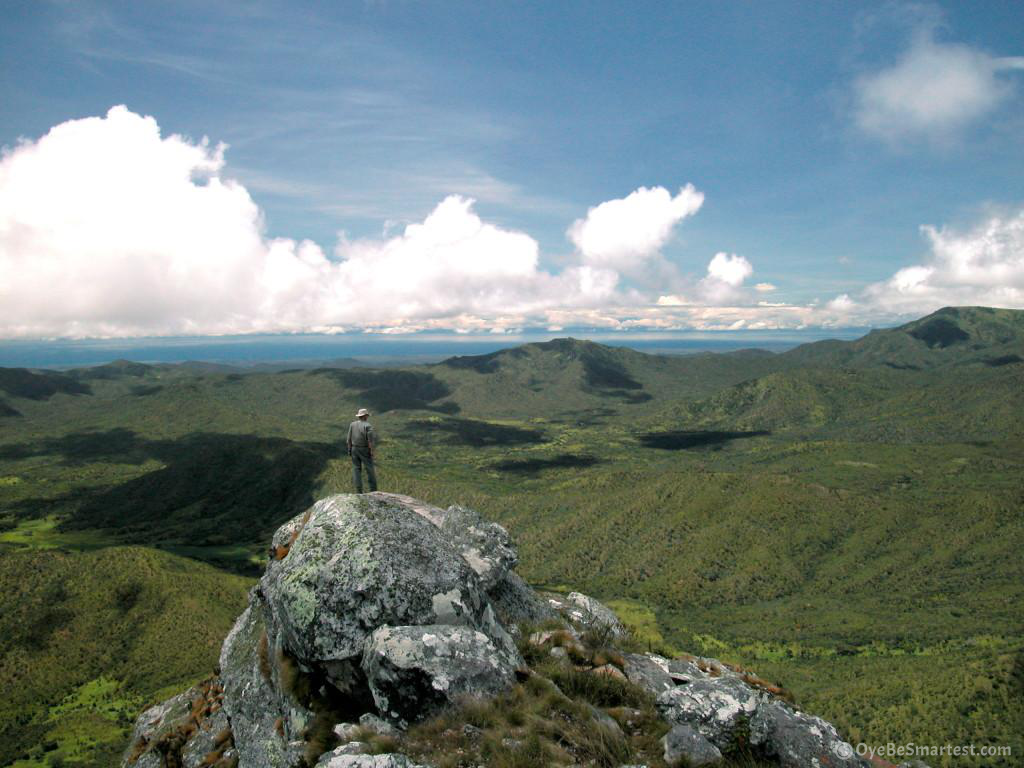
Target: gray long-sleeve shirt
361	435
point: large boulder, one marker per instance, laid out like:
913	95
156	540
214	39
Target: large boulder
358	562
414	671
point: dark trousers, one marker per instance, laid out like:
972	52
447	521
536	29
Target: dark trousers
361	458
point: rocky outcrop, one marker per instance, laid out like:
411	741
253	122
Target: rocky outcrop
376	611
371	605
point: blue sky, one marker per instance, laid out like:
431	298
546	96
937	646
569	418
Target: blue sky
821	136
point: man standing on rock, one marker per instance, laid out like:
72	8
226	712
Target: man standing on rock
362	445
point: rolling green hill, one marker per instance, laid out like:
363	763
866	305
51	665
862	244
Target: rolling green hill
89	638
845	517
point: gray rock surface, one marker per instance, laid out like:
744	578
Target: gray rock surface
642	670
189	726
514	602
588	613
361	562
414	671
486	546
713	707
154	723
797	739
338	759
263	723
684	742
206	740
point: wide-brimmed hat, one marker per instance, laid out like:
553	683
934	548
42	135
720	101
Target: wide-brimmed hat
362	412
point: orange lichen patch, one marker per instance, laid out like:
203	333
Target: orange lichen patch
263	653
281	552
279	727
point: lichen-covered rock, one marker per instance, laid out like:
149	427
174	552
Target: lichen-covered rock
414	671
642	670
514	602
486	546
360	562
190	730
797	739
588	613
208	743
154	723
339	759
714	707
685	743
265	726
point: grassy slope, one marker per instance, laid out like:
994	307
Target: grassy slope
865	552
90	638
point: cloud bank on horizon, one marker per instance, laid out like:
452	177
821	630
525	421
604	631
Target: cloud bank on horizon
110	229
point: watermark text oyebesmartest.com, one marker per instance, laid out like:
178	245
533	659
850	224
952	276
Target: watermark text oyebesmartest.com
910	750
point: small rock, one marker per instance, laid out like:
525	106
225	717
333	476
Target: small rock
683	742
514	602
345	731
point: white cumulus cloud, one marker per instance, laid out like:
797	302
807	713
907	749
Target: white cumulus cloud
109	229
934	90
982	266
621	234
